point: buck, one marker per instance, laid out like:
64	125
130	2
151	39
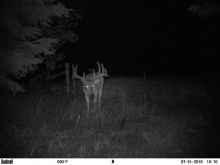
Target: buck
92	84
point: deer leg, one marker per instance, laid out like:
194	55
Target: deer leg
87	102
95	100
100	95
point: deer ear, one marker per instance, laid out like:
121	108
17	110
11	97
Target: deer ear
97	81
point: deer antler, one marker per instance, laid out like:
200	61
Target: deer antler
101	72
75	74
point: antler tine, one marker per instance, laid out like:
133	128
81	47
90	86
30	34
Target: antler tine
104	70
93	74
75	68
74	71
99	71
84	77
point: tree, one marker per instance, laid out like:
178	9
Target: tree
61	28
22	45
206	10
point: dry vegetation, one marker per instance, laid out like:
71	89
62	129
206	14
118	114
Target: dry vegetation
47	123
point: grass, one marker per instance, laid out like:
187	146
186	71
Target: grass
47	123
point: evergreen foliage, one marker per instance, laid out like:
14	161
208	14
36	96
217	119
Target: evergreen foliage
206	10
22	43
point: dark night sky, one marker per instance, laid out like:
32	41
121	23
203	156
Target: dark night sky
161	37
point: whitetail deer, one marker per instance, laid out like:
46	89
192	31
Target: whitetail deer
92	84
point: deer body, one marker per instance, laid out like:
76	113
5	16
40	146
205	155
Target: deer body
92	84
93	89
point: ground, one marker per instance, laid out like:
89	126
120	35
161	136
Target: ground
47	123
